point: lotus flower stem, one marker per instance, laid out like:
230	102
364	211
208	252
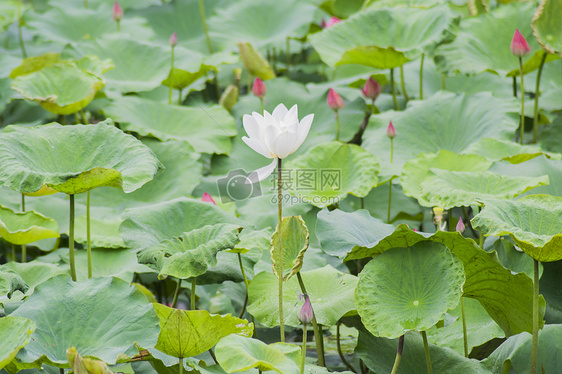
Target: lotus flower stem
389	200
338	125
398	355
203	19
171	70
304	339
391	134
23	246
535	346
193	295
22	46
118	25
421	76
522	102
261	102
402	84
71	240
442	82
393	89
247	285
536	112
318	338
427	356
340	353
515	87
86	4
88	231
464	332
176	294
280	254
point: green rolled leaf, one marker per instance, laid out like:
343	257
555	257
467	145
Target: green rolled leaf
25	228
254	62
101	317
294	243
14	335
187	333
532	222
11	281
546	26
35	63
407	289
33	273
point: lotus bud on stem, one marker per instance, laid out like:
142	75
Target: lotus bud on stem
335	102
259	90
207	198
117	14
331	22
371	90
305	317
520	48
460	226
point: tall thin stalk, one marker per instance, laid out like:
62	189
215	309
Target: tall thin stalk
421	76
535	346
398	355
427	356
193	295
181	365
393	89
515	86
464	332
318	338
176	294
522	102
71	240
88	236
247	287
23	246
537	94
390	182
86	4
443	82
280	253
338	345
22	46
338	125
171	70
304	339
402	84
204	20
288	56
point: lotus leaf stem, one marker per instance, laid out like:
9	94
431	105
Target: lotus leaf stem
318	338
247	285
421	76
338	345
193	295
427	356
88	235
71	240
515	87
393	89
398	355
179	97
288	57
537	94
522	103
204	20
535	346
176	294
181	365
402	85
303	349
443	82
83	117
338	125
280	251
23	246
464	333
22	46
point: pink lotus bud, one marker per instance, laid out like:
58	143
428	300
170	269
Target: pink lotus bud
117	12
258	89
371	89
305	314
174	39
460	226
207	198
335	101
332	21
519	46
391	131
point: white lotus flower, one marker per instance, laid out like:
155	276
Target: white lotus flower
275	135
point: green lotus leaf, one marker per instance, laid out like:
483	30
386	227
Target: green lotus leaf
250	239
496	150
513	258
417	170
261	24
103	233
74	159
228	268
254	62
328	172
60	88
187	333
407	289
133	72
392	36
67	24
532	222
85	365
34	273
379	354
449	189
192	253
9	13
237	353
507	297
445	121
294	243
36	63
546	26
475	51
180	79
480	328
118	263
206	129
150	225
10	282
25	228
330	292
517	349
14	335
101	317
